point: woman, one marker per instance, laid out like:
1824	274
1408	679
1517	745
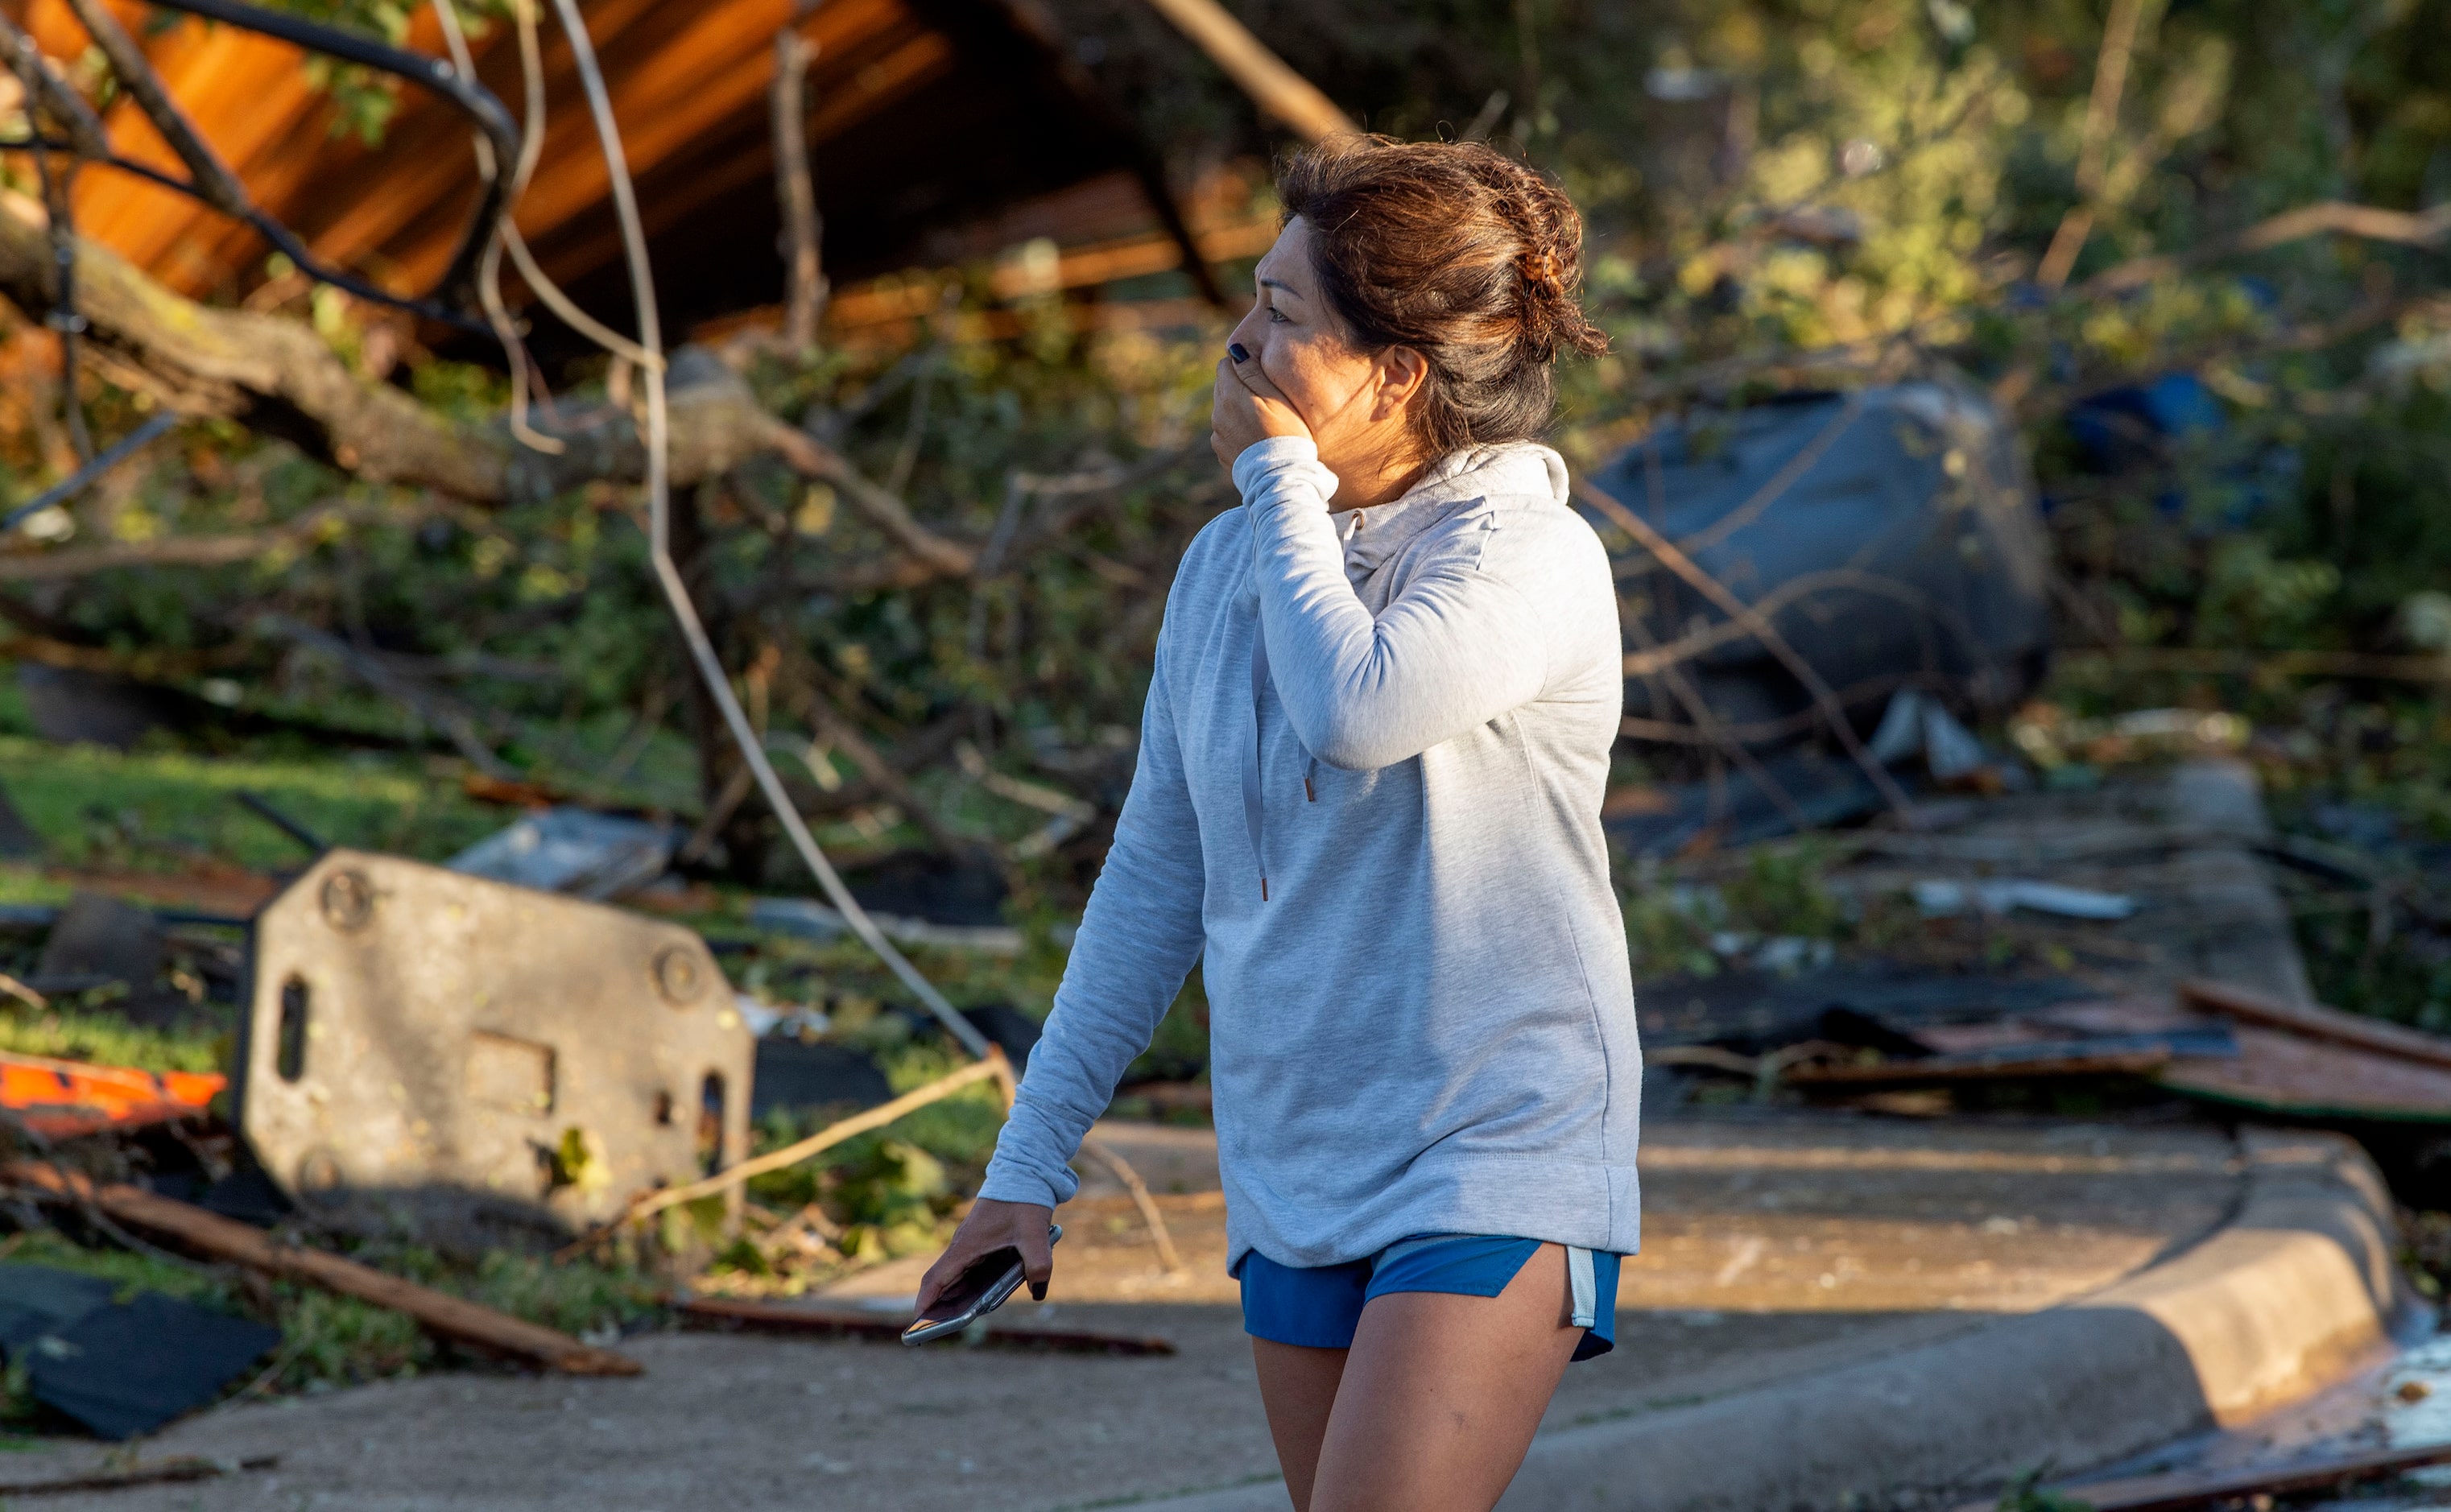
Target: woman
1368	798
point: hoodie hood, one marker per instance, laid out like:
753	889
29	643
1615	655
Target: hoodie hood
1517	472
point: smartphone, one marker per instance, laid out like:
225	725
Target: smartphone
977	1291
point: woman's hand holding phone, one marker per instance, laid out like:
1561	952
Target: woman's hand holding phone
993	1226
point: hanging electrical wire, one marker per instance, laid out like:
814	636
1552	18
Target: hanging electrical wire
710	667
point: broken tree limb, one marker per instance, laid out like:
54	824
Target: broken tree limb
2427	228
174	551
795	185
452	1317
273	374
442	712
2222	661
993	1068
1762	630
885	509
1272	85
261	371
2101	118
1122	1168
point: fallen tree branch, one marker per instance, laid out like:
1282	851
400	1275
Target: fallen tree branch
1709	587
2101	119
796	186
1274	86
438	709
1122	1172
176	551
2428	227
143	666
227	1238
275	375
993	1068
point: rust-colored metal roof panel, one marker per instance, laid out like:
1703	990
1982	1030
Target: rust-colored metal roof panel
926	115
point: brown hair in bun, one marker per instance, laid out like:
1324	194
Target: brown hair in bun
1467	256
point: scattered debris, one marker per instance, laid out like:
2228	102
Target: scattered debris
62	1099
792	1073
1892	535
262	807
1916	724
840	1323
1109	1156
1941	899
994	1068
2308	1062
2052	739
809	919
1780	794
161	1472
120	1366
2184	1491
98	940
2251	1007
2099	1055
475	1056
574	850
452	1317
125	1368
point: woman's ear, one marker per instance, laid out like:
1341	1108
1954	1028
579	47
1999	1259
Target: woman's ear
1402	374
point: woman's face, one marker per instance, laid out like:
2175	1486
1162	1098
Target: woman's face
1354	403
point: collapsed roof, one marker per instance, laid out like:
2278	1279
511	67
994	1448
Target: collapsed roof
937	128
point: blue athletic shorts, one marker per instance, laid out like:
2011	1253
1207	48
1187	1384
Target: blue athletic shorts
1320	1306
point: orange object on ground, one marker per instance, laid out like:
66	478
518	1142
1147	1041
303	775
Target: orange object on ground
60	1099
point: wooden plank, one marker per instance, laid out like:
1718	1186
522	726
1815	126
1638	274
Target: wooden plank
2184	1490
2277	1072
227	1238
2382	1037
2009	1063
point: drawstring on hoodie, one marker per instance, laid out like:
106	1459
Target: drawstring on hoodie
1254	805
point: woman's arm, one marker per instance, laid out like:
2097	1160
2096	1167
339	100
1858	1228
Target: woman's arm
1457	649
1138	939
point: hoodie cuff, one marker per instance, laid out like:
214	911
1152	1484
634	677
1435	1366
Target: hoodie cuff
1271	467
1014	1181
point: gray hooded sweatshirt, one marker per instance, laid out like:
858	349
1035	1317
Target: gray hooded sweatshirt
1369	794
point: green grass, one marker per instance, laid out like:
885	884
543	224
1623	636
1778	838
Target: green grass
158	809
331	1340
105	1038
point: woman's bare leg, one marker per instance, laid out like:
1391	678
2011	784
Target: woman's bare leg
1440	1396
1298	1386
